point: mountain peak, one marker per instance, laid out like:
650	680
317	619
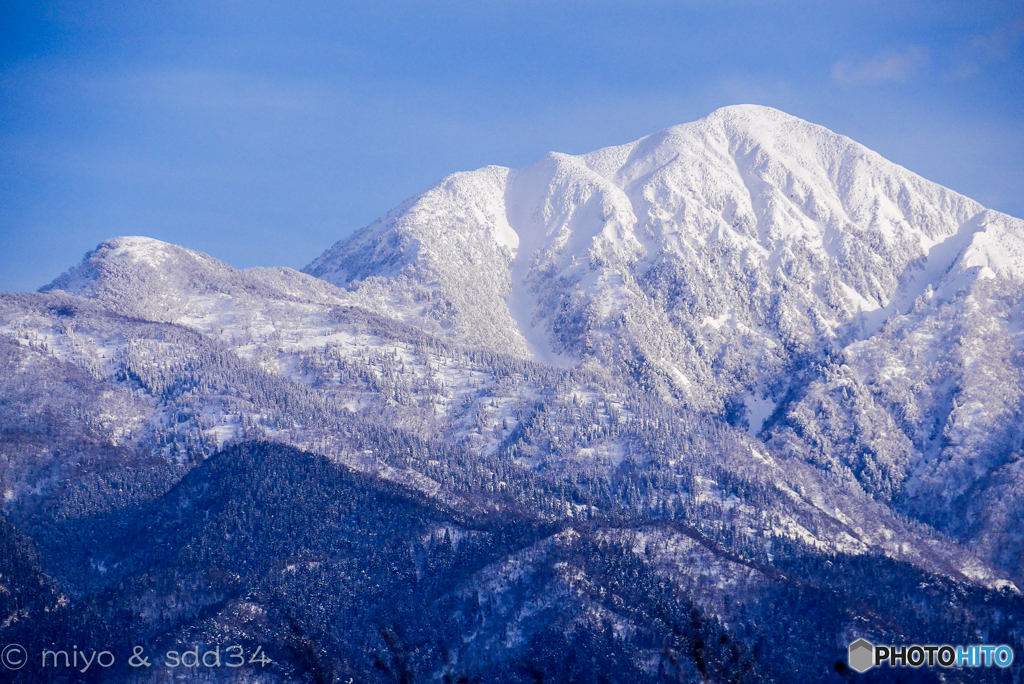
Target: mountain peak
778	231
155	280
744	119
145	249
751	112
141	258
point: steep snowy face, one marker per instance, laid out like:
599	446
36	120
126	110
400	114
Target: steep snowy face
577	242
703	259
439	261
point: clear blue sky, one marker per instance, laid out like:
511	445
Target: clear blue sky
262	132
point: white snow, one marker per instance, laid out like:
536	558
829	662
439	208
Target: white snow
759	409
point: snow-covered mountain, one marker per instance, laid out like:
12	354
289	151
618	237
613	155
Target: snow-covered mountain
706	255
751	264
744	358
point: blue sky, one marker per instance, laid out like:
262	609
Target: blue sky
263	132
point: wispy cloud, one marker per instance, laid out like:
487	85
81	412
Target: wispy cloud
897	66
1000	44
997	46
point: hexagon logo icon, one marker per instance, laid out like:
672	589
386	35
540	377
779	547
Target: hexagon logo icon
861	655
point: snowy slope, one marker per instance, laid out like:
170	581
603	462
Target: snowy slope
440	260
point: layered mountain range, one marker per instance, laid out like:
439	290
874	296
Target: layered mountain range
620	414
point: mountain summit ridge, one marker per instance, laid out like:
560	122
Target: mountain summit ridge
748	195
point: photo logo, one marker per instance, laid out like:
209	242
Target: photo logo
14	656
862	655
